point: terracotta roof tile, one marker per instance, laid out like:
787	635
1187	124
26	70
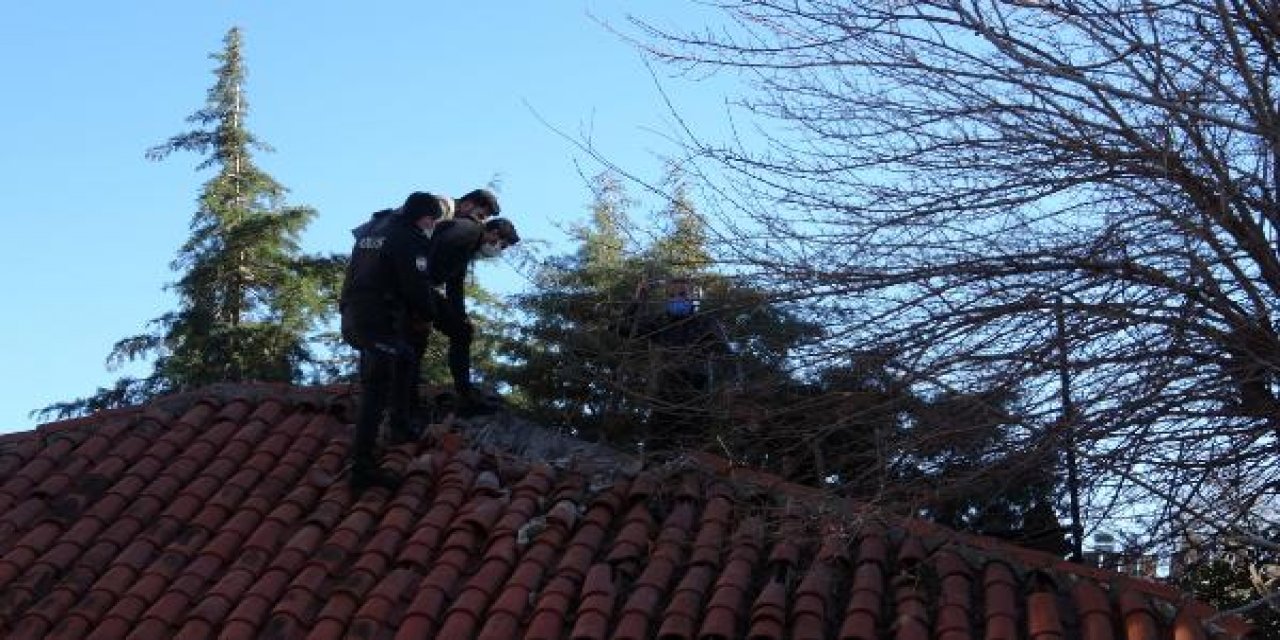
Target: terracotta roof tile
220	598
812	600
954	606
294	612
33	627
599	594
769	612
110	628
1042	617
1139	620
1001	601
249	613
728	602
215	514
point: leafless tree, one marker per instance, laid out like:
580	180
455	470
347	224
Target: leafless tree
980	185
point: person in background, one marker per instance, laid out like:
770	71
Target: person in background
685	346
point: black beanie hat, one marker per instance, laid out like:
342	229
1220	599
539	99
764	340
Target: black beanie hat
420	205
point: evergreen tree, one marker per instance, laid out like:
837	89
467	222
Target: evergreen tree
681	250
862	429
567	357
248	297
579	362
1233	576
603	242
972	480
833	428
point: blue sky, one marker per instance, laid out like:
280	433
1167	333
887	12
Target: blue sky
363	103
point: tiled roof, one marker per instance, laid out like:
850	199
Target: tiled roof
215	515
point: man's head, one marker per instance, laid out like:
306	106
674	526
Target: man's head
421	204
480	204
499	234
681	301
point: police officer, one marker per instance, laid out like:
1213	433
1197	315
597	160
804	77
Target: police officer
387	282
472	233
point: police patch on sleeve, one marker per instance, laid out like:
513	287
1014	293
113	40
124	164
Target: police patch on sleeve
421	263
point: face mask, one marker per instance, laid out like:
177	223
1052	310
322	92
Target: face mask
680	307
490	250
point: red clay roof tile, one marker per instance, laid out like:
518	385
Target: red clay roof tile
374	611
769	612
222	596
598	596
551	612
1093	611
434	594
811	607
1139	620
1043	622
215	514
1187	627
1001	601
251	611
110	628
171	608
911	616
31	626
462	620
954	607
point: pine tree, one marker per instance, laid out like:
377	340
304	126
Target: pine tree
248	297
603	241
958	452
682	250
579	362
567	354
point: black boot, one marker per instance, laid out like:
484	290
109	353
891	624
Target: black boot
366	474
470	403
402	430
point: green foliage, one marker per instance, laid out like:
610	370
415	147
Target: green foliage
957	443
865	431
834	429
566	360
1230	580
248	297
681	249
579	361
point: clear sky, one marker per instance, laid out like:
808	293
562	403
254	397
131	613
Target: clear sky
363	103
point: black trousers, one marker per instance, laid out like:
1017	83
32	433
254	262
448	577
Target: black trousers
458	330
387	366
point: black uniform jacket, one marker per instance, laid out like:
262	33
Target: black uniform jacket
453	245
387	278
